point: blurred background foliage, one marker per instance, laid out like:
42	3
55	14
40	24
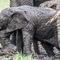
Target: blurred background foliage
4	4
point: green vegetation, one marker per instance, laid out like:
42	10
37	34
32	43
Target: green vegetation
22	57
19	57
4	4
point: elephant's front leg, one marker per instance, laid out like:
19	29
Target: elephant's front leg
27	39
19	40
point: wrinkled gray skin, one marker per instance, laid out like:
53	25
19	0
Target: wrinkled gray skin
48	37
53	4
18	36
50	4
15	37
29	20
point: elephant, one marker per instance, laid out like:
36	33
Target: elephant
48	37
15	3
29	20
15	36
37	3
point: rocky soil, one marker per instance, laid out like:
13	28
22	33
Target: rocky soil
10	51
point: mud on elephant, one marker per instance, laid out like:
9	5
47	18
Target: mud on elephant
29	20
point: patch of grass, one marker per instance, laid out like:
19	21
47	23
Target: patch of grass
19	57
4	4
22	57
6	59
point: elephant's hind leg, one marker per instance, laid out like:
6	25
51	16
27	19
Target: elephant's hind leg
36	48
49	49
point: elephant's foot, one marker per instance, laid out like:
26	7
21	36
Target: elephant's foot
27	50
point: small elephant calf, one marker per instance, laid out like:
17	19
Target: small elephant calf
29	20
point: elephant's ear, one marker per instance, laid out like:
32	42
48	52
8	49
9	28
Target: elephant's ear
18	21
15	18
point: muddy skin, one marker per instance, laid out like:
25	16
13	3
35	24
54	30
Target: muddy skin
14	3
36	48
35	3
48	39
48	34
29	23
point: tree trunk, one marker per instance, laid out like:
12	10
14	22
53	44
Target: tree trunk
58	21
14	3
38	2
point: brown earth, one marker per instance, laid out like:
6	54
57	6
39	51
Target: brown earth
10	51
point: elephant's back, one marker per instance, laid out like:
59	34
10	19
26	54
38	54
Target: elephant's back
36	14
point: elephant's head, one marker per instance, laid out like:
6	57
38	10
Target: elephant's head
12	19
5	18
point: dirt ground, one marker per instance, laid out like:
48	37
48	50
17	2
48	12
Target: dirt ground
10	51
